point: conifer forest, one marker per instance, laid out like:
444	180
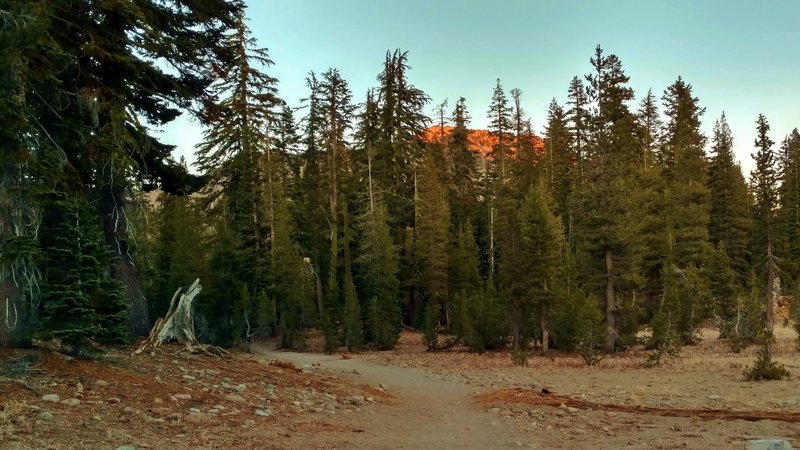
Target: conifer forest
360	214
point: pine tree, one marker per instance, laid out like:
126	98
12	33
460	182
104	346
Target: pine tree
725	291
291	277
119	83
789	212
178	251
28	63
665	339
397	154
606	239
465	281
378	264
80	300
650	124
764	180
310	199
541	246
561	163
578	115
464	189
432	239
685	167
730	222
337	111
501	126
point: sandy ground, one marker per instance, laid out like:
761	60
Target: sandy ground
406	398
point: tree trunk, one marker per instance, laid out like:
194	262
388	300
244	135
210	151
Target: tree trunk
545	335
115	228
14	322
769	297
611	305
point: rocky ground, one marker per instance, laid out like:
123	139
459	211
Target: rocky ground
406	398
168	399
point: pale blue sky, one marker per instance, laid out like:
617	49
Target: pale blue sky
742	57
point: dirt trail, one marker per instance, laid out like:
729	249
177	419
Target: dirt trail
428	413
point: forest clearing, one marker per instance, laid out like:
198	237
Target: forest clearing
378	400
393	235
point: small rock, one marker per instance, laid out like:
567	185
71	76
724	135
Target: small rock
572	410
715	397
125	447
370	399
101	383
240	388
383	386
128	410
213	411
194	410
183	396
176	416
235	398
494	410
249	423
356	372
197	417
113	400
158	400
51	398
79	387
46	415
97	418
633	399
264	412
189	378
71	402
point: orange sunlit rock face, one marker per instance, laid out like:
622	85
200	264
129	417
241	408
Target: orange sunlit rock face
481	141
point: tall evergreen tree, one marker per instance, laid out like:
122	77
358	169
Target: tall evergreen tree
650	124
432	240
541	245
684	163
501	125
337	112
730	222
464	189
789	213
80	299
606	239
561	164
398	152
378	263
232	153
578	115
764	181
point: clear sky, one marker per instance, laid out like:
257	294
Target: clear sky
742	57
